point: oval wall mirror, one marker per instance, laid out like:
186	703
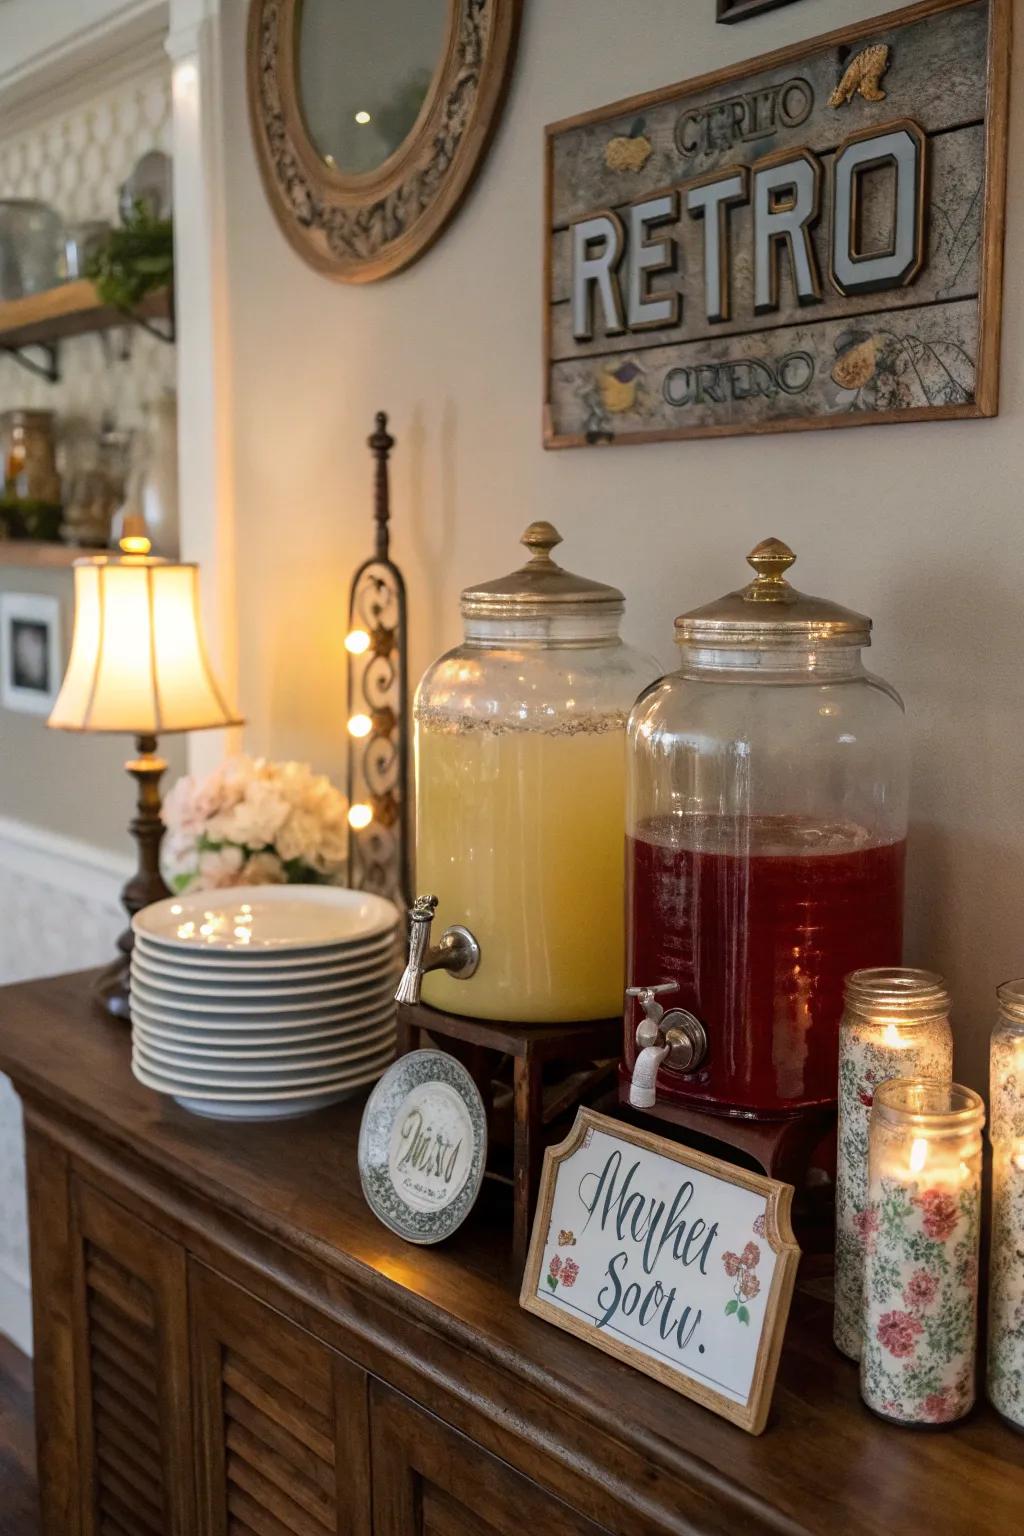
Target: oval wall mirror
370	119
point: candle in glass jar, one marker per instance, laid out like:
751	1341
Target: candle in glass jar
895	1024
921	1257
1006	1268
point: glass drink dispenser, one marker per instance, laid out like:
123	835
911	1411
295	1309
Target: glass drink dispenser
766	834
520	748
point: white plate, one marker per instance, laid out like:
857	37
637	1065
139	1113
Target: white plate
260	1072
242	992
267	1109
346	1018
296	1042
269	918
263	1094
264	976
304	1054
315	1005
256	963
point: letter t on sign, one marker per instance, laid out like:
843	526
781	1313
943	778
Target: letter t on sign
711	200
597	246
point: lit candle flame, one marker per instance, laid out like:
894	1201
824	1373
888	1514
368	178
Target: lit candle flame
918	1154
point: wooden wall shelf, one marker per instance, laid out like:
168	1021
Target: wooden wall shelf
32	553
71	309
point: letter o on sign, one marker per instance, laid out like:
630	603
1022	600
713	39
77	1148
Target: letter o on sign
796	103
794	372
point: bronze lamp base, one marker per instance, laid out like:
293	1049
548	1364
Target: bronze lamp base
147	883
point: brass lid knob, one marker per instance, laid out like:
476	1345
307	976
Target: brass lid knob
771	559
540	539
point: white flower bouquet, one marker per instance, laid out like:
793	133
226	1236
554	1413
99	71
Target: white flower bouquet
251	822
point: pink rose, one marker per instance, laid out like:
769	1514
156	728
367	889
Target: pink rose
920	1289
940	1214
866	1223
750	1285
939	1407
731	1262
555	1267
898	1332
751	1256
570	1269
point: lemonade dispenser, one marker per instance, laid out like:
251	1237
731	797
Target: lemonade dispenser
520	751
767	823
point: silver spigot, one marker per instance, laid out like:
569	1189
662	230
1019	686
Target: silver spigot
458	952
676	1039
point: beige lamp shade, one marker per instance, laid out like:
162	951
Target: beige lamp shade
138	663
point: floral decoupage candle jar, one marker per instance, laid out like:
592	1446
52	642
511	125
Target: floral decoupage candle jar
1006	1278
895	1024
921	1251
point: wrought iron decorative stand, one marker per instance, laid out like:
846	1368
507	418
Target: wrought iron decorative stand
378	757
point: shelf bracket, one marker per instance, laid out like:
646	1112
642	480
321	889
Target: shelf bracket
48	369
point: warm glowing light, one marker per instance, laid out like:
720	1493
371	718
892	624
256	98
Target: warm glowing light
357	642
918	1154
135	544
362	117
360	816
893	1039
360	725
138	662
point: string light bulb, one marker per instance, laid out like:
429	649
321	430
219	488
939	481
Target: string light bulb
357	642
360	726
359	816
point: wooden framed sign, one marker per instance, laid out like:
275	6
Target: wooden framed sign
739	10
677	1263
812	239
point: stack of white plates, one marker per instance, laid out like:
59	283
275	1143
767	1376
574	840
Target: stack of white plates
262	1002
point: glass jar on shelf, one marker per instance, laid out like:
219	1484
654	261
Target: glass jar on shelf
520	753
767	816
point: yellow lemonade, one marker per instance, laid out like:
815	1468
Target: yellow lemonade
520	833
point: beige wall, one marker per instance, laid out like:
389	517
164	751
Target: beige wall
918	525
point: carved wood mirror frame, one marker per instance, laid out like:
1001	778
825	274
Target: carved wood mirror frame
360	227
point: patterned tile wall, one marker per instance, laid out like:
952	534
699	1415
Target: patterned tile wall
77	161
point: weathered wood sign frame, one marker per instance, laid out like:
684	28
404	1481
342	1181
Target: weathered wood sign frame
811	239
738	10
679	1264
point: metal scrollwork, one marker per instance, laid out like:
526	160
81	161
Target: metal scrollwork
378	761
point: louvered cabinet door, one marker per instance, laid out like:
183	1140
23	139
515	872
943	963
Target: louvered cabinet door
430	1480
282	1421
132	1392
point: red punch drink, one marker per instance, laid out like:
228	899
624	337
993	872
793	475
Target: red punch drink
758	920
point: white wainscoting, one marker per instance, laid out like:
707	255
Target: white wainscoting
59	911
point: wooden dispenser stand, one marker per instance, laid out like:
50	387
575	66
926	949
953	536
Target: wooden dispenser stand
554	1067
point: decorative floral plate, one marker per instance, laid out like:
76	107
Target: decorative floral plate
423	1146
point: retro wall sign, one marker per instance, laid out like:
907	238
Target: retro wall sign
675	1262
812	239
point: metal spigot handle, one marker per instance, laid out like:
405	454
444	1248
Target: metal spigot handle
648	1028
458	952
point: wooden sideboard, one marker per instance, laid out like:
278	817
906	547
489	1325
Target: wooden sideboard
227	1341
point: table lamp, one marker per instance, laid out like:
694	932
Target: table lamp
138	665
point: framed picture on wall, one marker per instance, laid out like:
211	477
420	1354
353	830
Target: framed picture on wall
30	653
739	10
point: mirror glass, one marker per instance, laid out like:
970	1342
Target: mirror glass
364	70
